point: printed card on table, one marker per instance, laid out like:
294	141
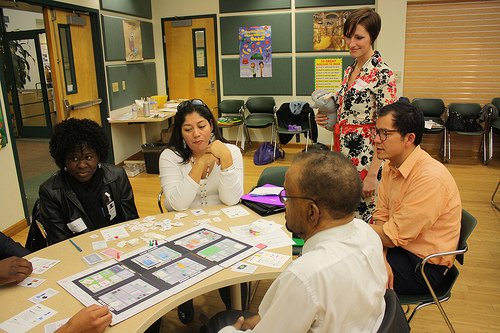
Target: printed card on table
31	282
112	253
42	296
114	233
41	265
27	319
270	259
235	211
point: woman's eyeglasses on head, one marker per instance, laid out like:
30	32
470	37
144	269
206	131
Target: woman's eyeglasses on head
184	104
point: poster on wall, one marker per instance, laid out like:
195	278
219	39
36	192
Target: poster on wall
328	31
328	74
255	51
3	132
133	40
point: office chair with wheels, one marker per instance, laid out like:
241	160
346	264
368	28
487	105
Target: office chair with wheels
443	292
261	115
394	318
433	109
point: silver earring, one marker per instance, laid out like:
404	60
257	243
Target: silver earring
99	165
184	144
65	169
212	137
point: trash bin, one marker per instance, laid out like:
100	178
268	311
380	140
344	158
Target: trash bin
152	152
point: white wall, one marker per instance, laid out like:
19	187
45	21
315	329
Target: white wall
391	41
11	205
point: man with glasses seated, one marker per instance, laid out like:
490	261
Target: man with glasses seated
338	283
419	208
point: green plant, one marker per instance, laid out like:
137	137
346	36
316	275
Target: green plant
20	61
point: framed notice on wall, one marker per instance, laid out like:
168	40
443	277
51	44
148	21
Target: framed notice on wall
328	31
328	74
133	40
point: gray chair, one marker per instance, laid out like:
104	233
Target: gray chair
231	113
160	201
306	124
493	203
261	115
491	125
272	175
443	292
276	176
433	109
394	318
472	110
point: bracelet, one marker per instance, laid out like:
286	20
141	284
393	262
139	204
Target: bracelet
231	168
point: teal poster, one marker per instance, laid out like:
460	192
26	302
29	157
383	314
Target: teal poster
255	51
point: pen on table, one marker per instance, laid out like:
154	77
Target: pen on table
76	246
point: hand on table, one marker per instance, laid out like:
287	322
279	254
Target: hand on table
92	319
14	270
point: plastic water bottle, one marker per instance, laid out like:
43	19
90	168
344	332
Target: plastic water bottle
134	110
146	107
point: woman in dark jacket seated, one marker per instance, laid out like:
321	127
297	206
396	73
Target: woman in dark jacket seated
85	194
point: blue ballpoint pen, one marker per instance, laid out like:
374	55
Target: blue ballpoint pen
74	244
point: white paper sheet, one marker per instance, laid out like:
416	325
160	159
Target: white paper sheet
114	233
269	259
27	319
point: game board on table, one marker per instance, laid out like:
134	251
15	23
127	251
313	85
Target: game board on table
149	275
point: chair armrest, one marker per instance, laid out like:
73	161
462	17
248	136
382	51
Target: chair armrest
441	254
426	259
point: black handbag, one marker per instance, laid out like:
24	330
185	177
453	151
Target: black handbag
463	123
454	122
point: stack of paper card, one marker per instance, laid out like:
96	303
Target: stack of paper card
429	124
266	190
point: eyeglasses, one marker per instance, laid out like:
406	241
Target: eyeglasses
187	103
382	132
284	198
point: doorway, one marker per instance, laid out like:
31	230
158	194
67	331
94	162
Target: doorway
30	93
48	97
191	44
